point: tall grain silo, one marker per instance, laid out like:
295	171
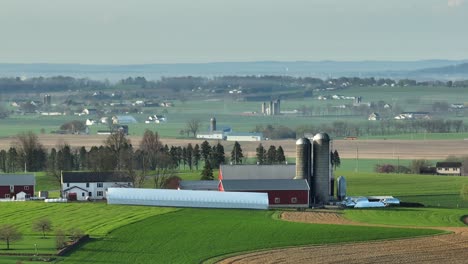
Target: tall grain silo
278	107
341	192
212	124
272	110
303	160
321	168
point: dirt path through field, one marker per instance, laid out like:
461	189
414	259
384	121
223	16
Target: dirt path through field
450	248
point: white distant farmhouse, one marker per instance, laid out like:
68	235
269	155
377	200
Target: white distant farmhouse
124	119
374	117
244	136
156	119
90	122
89	111
93	185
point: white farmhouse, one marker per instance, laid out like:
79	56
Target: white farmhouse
92	185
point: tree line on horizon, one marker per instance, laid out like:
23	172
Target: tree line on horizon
251	84
152	159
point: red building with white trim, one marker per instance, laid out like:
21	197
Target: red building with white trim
281	193
12	184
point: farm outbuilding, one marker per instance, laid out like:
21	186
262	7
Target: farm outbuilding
449	168
281	193
13	184
185	198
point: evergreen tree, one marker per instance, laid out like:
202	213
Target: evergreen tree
82	158
52	164
220	155
189	156
271	155
280	158
207	172
12	160
3	160
236	153
261	153
173	155
184	156
196	156
205	150
336	160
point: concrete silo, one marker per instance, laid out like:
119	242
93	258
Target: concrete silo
212	124
322	176
341	192
303	160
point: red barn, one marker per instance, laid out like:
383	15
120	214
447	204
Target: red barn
12	184
281	193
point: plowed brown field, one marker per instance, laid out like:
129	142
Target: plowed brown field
374	149
450	248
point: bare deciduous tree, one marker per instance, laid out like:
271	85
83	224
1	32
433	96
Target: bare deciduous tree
42	225
30	150
60	239
193	125
9	234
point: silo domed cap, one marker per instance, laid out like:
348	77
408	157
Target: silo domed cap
322	136
302	141
213	119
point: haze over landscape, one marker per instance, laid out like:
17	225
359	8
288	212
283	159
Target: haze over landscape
183	31
233	131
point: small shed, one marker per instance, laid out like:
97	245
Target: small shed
21	196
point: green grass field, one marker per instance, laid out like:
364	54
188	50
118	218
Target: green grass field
193	235
423	217
367	165
430	190
96	219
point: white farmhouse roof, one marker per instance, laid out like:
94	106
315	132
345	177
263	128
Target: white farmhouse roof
185	198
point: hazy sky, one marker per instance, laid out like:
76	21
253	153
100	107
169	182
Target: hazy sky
154	31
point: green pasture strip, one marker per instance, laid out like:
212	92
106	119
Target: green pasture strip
194	235
27	245
423	136
362	183
22	259
424	217
96	219
368	165
46	182
440	200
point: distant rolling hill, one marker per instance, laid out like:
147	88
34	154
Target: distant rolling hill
319	69
451	69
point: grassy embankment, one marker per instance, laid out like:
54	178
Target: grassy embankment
422	217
